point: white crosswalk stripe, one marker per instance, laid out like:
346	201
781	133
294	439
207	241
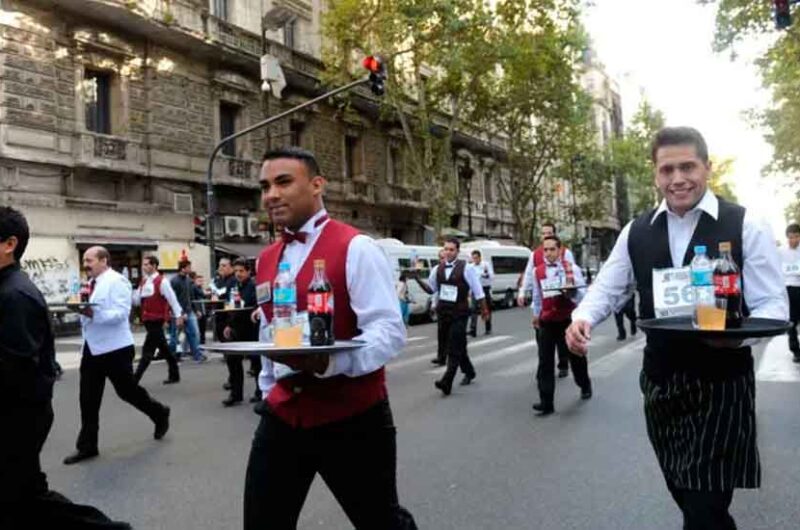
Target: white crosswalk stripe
421	358
611	363
776	363
495	355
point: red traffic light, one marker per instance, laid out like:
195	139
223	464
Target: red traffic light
374	64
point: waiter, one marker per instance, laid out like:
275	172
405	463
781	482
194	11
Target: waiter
156	298
453	281
27	373
551	316
692	390
790	259
534	260
326	414
108	352
484	272
240	328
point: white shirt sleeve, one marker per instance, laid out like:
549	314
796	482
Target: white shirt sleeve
569	256
137	296
527	277
432	282
764	293
536	295
266	378
373	300
610	284
172	300
474	282
116	307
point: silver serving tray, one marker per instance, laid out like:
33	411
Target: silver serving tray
268	348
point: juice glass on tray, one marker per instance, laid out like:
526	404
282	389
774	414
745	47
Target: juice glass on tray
712	317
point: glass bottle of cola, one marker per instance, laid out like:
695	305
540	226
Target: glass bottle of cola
320	307
728	285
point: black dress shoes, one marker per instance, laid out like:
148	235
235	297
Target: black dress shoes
226	386
438	362
586	393
620	338
562	373
80	456
162	425
170	381
468	379
543	410
231	401
255	399
444	387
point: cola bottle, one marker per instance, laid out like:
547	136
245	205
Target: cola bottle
728	286
320	307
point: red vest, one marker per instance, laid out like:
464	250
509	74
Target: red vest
538	255
304	400
155	307
555	308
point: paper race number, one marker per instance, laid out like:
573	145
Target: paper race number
791	269
672	292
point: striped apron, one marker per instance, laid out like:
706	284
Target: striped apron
703	432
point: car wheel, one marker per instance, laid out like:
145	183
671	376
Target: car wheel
509	300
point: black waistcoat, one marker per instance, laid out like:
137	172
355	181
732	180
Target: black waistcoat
648	246
457	279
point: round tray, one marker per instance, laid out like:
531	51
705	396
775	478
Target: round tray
77	306
203	301
565	288
234	310
264	348
681	327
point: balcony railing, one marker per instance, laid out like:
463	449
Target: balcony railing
240	169
109	152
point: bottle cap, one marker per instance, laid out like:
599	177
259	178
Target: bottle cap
700	249
284	266
319	263
725	246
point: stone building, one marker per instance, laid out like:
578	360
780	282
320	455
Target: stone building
109	110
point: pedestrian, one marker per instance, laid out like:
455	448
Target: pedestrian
453	281
27	374
486	275
198	297
628	309
699	397
108	352
790	260
156	298
240	328
441	348
184	287
221	289
534	260
326	414
401	288
552	308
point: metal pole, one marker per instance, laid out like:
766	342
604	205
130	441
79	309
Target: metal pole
469	208
211	210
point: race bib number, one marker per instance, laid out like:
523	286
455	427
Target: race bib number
672	292
791	269
448	293
148	290
549	286
264	293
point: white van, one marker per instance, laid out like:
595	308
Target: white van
400	258
508	264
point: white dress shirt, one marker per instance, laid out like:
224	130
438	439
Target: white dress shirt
372	298
470	275
108	329
484	272
552	271
764	295
147	289
527	276
790	256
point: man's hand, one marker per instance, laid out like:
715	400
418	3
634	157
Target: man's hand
521	301
485	314
255	316
315	363
537	322
87	312
180	321
578	335
227	332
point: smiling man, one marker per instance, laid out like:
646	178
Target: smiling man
699	399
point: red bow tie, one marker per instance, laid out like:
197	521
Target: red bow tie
289	237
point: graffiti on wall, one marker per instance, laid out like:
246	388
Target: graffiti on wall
53	276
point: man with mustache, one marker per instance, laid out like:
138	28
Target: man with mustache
699	397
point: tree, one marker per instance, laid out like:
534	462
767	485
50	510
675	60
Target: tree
718	180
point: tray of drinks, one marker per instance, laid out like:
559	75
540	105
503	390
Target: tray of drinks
78	306
269	348
682	327
569	288
234	309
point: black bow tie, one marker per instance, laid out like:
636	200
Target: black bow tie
289	237
448	265
552	264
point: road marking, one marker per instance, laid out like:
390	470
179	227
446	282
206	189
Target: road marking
415	339
493	356
776	363
610	363
424	356
527	367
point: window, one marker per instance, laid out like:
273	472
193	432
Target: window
393	166
352	156
97	86
228	113
296	133
289	33
488	191
508	264
221	9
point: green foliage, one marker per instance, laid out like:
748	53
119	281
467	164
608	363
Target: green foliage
721	170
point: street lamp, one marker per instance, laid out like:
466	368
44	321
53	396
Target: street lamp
465	174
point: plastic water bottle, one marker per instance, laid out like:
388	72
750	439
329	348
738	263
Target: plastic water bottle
702	282
284	307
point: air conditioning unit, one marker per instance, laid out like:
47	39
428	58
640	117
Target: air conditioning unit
234	226
252	226
182	203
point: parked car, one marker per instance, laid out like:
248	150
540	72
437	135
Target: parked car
419	258
507	262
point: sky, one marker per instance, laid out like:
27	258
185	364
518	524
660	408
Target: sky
661	49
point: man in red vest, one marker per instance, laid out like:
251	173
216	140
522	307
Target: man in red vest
156	298
552	310
326	414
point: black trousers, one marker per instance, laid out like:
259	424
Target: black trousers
552	338
454	331
356	457
563	353
794	316
628	310
117	366
202	322
704	510
476	311
156	340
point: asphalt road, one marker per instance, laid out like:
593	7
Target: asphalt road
476	460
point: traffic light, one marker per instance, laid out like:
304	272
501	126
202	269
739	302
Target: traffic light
201	229
377	74
783	15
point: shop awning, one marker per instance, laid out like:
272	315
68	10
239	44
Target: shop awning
114	242
243	250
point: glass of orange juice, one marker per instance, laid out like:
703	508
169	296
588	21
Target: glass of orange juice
712	317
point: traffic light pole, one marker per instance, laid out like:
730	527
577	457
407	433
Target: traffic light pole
210	207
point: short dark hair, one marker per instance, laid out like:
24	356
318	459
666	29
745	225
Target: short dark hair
476	252
103	253
295	153
680	136
183	264
152	260
551	224
241	262
553	238
192	275
13	224
793	228
455	241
